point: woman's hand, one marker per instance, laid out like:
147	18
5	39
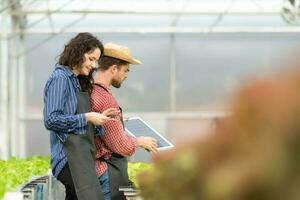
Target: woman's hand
111	112
97	118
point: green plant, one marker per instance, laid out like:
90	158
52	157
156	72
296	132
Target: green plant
14	172
253	155
136	168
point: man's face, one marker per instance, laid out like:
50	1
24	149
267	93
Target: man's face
89	61
120	75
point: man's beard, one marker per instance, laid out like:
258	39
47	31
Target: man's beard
116	83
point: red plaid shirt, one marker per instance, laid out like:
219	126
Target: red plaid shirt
115	138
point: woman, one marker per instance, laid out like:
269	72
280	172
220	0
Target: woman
67	115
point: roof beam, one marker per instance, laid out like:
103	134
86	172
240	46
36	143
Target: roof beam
152	11
165	30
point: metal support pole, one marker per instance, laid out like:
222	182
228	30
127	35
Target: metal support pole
172	74
13	93
4	133
22	98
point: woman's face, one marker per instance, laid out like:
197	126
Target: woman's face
90	60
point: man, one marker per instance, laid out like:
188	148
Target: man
115	145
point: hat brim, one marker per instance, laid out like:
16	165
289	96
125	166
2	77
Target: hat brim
135	62
115	54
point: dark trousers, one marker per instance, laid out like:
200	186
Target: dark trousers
66	179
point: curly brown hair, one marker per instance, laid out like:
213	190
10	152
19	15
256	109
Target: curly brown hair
73	56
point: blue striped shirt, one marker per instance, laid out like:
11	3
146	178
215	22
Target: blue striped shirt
60	104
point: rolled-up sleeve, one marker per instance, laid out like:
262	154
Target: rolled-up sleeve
55	97
117	140
114	136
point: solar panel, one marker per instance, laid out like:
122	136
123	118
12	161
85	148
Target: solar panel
137	127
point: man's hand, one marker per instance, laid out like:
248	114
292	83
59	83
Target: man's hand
97	118
148	143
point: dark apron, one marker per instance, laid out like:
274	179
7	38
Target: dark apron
117	170
80	152
118	175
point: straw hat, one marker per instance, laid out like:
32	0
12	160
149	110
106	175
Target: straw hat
120	52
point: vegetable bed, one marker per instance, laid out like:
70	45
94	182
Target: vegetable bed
15	172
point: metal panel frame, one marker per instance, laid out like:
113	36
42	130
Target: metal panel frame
13	116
